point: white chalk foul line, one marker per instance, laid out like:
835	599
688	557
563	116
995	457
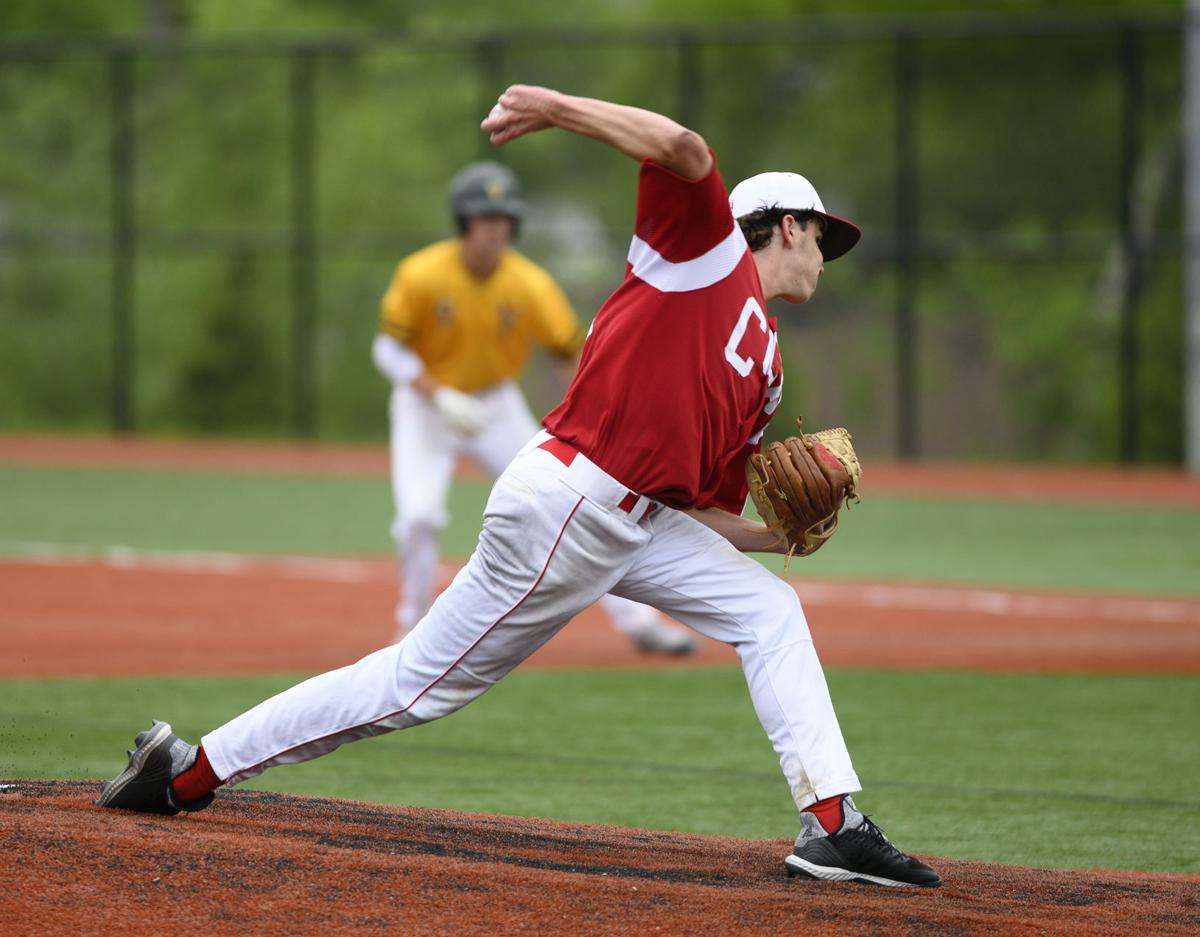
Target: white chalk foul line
1001	603
980	601
320	569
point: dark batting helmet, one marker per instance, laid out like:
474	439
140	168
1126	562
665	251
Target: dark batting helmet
486	188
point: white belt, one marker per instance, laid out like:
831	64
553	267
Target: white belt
591	481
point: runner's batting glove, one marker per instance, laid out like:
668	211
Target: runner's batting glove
462	411
800	484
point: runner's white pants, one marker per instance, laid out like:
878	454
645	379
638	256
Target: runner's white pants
554	540
424	450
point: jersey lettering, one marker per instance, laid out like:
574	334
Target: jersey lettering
768	365
774	395
743	366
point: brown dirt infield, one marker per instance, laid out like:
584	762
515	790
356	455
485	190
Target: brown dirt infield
275	864
130	615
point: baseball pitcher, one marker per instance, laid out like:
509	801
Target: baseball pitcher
635	486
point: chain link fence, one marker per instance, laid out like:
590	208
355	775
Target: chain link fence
194	236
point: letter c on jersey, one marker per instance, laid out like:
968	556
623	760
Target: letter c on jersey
740	364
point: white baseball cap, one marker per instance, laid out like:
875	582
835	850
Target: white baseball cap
788	190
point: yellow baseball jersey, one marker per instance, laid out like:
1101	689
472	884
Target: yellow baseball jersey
473	333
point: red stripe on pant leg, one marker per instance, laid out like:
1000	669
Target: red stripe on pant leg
447	671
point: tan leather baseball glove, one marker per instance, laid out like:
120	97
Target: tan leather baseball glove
800	484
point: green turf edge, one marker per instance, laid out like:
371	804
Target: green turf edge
1067	546
1034	769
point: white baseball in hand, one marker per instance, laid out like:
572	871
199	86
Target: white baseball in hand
497	110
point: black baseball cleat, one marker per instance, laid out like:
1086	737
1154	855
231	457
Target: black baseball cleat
857	852
145	784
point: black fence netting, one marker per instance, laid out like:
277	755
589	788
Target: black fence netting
195	237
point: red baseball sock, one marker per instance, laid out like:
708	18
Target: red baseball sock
197	781
829	812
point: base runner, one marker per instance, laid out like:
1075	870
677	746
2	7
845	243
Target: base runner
635	487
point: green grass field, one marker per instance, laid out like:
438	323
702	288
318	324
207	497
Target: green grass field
1133	549
1040	769
1031	769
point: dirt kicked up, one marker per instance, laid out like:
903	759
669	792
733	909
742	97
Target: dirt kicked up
275	864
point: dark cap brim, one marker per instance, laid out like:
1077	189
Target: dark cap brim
474	208
840	235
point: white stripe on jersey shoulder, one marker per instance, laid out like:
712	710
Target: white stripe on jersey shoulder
710	267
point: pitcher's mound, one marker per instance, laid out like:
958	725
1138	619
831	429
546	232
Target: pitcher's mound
276	864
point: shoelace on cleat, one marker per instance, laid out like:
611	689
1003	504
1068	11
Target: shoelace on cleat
873	837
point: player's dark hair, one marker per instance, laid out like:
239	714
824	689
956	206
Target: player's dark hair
759	227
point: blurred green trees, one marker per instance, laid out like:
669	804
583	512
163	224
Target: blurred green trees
1018	139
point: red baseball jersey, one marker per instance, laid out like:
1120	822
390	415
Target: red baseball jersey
681	370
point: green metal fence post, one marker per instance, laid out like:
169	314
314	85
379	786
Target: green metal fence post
303	248
122	240
908	423
1128	416
489	54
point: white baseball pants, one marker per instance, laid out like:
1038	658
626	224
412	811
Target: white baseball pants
555	538
424	450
